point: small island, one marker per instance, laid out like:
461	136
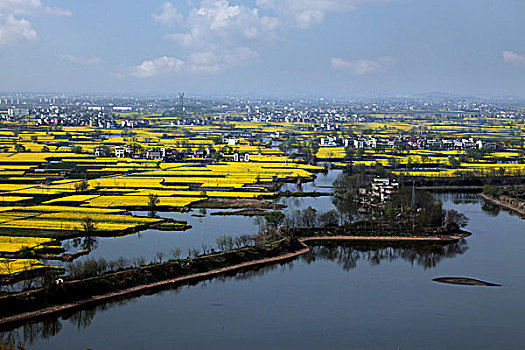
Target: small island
464	281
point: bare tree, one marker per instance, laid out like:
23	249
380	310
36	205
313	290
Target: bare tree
175	253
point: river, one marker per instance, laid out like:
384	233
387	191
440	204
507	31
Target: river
351	297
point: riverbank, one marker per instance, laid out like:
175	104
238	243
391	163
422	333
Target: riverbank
20	308
520	211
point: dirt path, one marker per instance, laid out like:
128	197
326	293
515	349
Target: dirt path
55	310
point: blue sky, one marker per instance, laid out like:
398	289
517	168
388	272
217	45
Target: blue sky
273	47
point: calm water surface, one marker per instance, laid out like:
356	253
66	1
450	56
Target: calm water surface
204	229
148	243
350	297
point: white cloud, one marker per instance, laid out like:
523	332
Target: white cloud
513	58
308	13
81	60
30	7
219	60
218	35
219	23
151	68
210	62
361	67
13	28
169	15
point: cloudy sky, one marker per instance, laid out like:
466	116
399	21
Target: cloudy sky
273	47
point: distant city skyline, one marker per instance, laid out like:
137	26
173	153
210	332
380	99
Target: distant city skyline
338	48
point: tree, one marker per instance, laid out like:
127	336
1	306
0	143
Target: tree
329	218
274	219
225	242
454	162
379	169
490	190
308	217
389	211
454	219
81	186
19	148
88	225
346	207
44	149
153	201
393	163
6	267
175	253
187	133
76	149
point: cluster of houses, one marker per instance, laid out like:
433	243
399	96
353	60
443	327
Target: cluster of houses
60	116
370	142
381	190
169	154
135	152
94	121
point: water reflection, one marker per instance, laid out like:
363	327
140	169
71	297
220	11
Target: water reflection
89	243
35	332
347	256
490	209
458	197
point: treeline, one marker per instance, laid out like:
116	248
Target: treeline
517	192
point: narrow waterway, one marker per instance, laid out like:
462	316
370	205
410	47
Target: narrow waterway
352	297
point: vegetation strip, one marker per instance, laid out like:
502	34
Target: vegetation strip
304	248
